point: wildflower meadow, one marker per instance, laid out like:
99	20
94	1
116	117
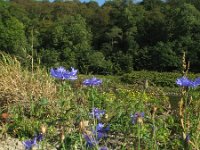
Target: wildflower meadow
63	109
99	74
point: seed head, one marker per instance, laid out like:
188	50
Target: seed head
43	129
62	136
140	120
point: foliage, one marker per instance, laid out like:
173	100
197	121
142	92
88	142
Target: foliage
161	79
122	35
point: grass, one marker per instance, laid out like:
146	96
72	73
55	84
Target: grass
18	85
37	101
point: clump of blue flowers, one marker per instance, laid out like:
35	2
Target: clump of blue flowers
92	82
63	74
101	131
97	113
98	132
185	82
137	117
29	144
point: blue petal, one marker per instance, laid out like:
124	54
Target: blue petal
90	141
184	81
29	143
61	73
39	137
99	126
103	148
74	71
93	81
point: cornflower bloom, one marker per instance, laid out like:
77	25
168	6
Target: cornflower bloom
197	82
91	141
92	82
101	131
187	139
30	143
97	113
137	117
62	73
39	137
103	148
184	81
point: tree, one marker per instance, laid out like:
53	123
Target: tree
164	57
70	35
152	28
12	36
114	36
152	4
184	29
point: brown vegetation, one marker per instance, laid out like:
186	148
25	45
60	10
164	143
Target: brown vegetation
18	85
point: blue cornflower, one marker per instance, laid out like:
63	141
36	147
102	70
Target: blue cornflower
197	82
136	116
92	82
184	81
30	143
97	113
187	139
39	137
90	140
58	73
74	71
101	131
62	73
97	134
99	126
103	148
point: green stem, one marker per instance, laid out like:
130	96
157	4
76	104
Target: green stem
138	132
63	145
153	136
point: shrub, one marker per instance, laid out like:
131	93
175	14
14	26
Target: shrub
164	79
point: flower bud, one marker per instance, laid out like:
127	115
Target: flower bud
154	109
140	120
62	136
83	125
43	129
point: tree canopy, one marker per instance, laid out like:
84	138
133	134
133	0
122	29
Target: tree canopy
119	36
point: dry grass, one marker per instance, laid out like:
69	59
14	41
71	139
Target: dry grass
18	85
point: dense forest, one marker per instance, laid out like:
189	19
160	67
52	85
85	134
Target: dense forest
118	37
